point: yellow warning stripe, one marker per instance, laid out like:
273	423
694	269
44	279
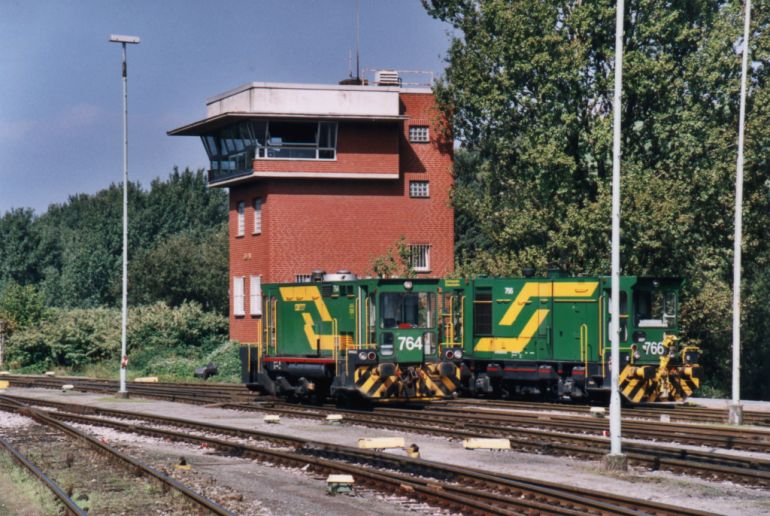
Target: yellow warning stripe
514	344
577	289
307	294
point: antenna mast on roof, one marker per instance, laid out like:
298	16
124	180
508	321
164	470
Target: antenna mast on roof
358	39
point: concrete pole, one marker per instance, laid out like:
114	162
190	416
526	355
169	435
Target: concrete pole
123	40
124	311
736	410
616	460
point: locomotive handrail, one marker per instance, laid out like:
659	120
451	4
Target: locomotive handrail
259	346
584	345
601	332
357	320
274	333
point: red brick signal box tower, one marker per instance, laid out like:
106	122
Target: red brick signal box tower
326	177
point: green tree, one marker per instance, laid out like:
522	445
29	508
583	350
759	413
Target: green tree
21	306
18	247
188	266
528	91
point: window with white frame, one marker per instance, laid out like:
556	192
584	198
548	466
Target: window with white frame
419	189
255	295
257	216
241	218
233	149
419	134
238	301
420	257
302	278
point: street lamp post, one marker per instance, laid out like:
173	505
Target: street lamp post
736	410
615	459
124	40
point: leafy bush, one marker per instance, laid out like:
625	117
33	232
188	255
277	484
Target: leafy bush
21	306
161	340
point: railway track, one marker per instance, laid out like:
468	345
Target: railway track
707	464
196	393
676	412
460	489
130	464
69	505
203	393
538	432
729	438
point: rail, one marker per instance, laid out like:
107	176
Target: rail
132	463
467	490
69	504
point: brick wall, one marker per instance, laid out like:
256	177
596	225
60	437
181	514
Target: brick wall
334	224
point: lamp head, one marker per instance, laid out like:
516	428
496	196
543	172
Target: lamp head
117	38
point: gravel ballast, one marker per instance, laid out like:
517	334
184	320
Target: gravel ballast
279	490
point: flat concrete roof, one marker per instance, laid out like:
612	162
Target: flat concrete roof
299	101
301	86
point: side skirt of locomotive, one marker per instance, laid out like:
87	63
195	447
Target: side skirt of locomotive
508	378
567	380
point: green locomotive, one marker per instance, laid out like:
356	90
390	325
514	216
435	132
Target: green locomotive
372	338
421	339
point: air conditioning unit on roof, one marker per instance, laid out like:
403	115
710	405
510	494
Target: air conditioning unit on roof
387	78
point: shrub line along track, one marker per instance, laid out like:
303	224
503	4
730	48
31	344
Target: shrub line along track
69	504
457	488
10	404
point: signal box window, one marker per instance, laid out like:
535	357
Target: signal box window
233	149
420	257
255	295
238	291
482	311
257	216
241	218
407	309
419	134
419	189
300	140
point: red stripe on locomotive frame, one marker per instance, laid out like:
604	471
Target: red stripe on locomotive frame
299	360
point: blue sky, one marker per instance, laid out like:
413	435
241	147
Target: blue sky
61	96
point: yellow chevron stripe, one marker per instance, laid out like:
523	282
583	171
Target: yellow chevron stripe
307	294
578	289
514	344
327	341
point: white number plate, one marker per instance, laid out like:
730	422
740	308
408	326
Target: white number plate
409	343
653	348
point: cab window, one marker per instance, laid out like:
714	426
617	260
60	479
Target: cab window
407	309
655	308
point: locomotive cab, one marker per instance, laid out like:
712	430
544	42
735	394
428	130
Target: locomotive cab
404	326
373	339
657	367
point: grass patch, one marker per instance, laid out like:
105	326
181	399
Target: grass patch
169	365
21	493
